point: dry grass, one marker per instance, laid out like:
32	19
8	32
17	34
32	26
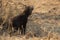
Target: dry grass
14	8
49	37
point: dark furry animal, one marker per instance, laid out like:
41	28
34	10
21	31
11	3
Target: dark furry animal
20	21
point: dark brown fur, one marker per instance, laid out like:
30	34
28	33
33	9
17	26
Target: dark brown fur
20	21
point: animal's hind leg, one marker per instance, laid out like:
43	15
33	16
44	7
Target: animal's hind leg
15	29
19	29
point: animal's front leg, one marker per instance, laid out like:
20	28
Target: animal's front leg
24	29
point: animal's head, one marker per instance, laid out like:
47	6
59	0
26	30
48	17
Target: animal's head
29	10
30	7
